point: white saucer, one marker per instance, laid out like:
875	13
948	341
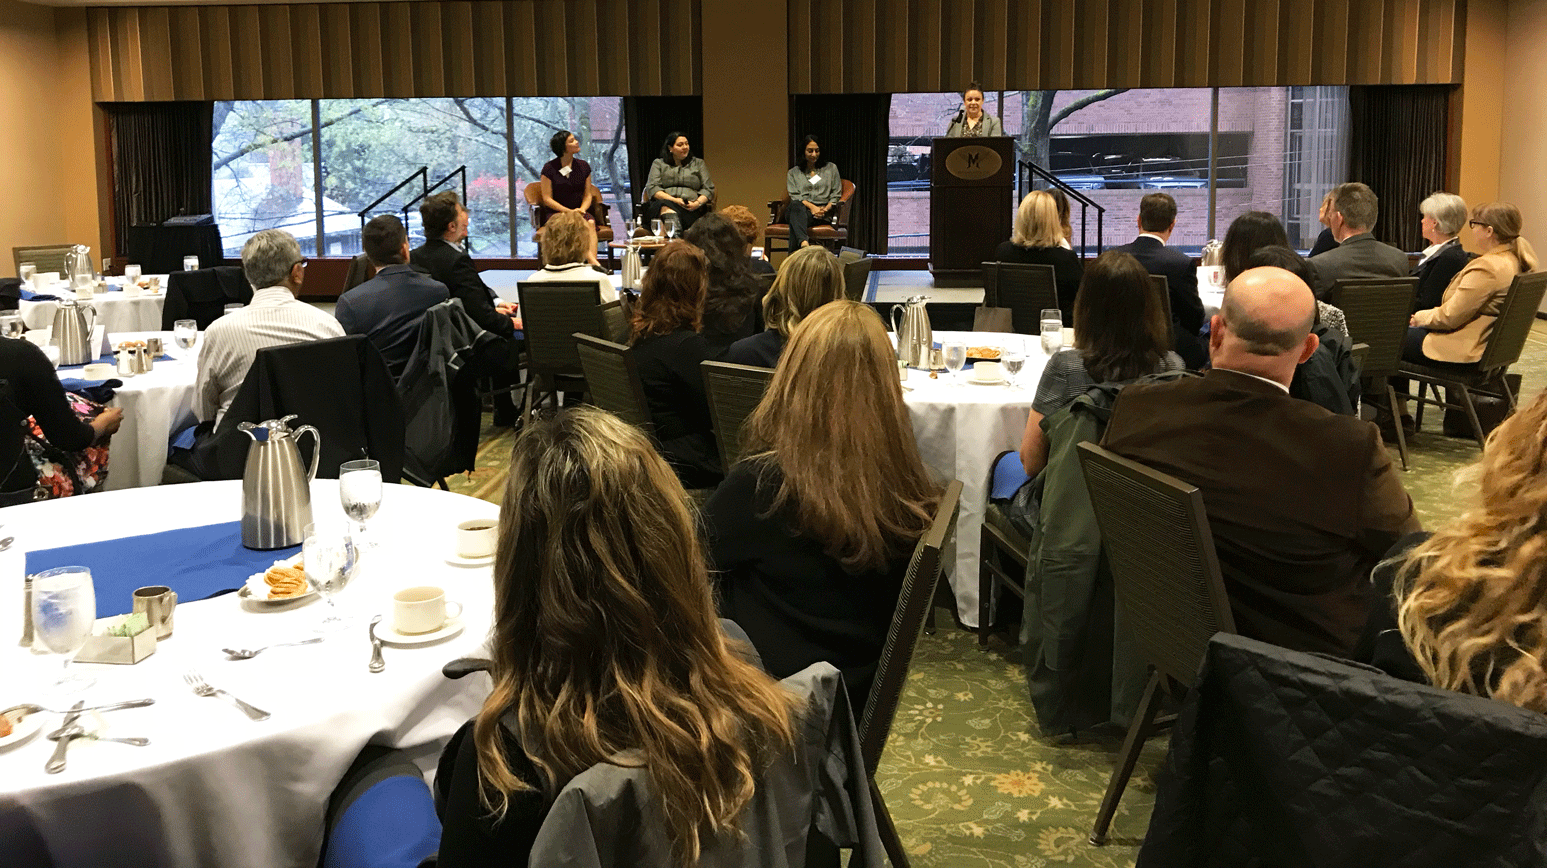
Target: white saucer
459	561
21	730
257	590
977	382
389	634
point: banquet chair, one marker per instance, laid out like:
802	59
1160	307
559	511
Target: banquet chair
1376	313
1163	287
1025	289
47	257
361	269
612	375
902	639
381	815
551	315
1505	343
1157	541
821	233
850	254
1001	540
202	295
856	277
441	406
734	392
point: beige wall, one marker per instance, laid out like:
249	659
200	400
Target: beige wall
1523	163
746	102
1481	107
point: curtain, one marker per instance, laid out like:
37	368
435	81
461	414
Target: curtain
647	120
853	131
1397	145
161	162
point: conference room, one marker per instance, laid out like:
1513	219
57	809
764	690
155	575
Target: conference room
997	711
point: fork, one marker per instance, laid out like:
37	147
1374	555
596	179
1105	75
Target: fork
196	682
249	653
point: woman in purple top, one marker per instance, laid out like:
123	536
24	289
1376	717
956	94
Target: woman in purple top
566	179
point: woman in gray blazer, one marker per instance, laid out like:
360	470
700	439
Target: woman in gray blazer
971	120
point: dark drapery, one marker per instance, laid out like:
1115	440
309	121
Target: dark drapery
648	120
852	130
161	162
1397	139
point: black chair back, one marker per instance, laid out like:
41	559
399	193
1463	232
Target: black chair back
1377	312
361	269
551	314
202	295
1163	287
612	376
856	277
734	392
850	254
1025	289
1513	326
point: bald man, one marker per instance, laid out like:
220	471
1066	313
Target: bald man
1302	502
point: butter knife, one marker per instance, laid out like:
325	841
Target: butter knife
55	763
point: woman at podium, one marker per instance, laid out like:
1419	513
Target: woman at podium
971	120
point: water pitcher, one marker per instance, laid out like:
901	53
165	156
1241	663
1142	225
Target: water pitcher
1213	252
914	336
276	499
72	332
631	267
78	268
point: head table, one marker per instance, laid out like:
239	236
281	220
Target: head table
213	787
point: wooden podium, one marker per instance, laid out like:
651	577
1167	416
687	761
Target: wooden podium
971	202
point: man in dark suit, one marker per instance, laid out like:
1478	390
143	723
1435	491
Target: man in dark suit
389	307
1157	218
1358	255
444	257
1302	502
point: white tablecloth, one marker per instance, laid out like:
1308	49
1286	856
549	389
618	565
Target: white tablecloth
959	429
213	787
155	405
115	310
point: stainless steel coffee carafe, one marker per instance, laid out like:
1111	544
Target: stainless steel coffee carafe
276	497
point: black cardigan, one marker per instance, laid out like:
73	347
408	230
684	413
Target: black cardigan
29	386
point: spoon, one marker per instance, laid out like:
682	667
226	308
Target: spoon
29	708
378	663
248	654
6	543
75	730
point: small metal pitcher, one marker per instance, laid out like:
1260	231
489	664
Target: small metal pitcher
276	498
915	338
72	331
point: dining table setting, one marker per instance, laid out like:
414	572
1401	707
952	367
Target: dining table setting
223	690
121	303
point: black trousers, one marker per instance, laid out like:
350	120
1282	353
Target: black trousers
1412	351
654	208
801	220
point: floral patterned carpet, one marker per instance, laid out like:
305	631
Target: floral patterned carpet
966	776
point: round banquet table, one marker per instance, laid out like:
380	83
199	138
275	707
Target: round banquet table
115	310
213	787
960	427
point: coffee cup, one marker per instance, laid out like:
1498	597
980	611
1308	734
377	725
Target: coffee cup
158	603
422	610
98	371
477	538
988	372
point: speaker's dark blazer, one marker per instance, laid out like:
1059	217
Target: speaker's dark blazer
454	268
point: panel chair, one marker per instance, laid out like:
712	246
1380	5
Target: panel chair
551	315
1025	289
47	257
856	277
1377	312
612	374
1166	579
1001	539
1505	344
918	593
826	235
734	392
533	194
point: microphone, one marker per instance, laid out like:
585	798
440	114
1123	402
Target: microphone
961	115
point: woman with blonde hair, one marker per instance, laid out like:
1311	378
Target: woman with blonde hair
809	278
812	533
1456	332
569	244
605	642
1037	240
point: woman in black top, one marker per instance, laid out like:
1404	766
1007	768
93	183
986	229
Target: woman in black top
29	386
669	350
1037	241
809	278
731	302
812	534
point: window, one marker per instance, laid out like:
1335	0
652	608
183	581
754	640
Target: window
263	171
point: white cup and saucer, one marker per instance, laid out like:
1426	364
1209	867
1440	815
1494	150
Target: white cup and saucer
987	374
476	540
421	615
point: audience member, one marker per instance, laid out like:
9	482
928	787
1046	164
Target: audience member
972	121
679	183
273	264
1251	232
811	535
669	351
1035	241
30	387
744	221
1157	219
815	191
1302	502
569	243
1324	240
565	181
604	643
1358	255
1443	216
1456	331
1329	378
730	305
1120	335
389	307
807	279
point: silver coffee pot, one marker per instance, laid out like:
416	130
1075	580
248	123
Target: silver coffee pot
276	498
632	266
915	338
72	332
1213	252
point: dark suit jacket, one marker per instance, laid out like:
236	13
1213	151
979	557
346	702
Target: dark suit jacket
1302	503
1182	280
388	309
1436	273
455	268
1358	257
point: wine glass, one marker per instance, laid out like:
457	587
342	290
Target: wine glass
328	558
955	354
64	608
670	221
186	333
131	274
1014	359
655	228
359	490
1052	331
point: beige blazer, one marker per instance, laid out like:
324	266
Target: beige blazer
1460	326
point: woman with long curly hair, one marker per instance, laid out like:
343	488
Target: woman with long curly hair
812	533
730	302
605	642
1472	599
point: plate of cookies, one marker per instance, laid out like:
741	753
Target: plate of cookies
284	582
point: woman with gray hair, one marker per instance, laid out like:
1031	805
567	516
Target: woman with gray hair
1443	216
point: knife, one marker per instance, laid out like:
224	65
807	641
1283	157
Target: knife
55	763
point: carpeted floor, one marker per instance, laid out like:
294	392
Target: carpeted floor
966	777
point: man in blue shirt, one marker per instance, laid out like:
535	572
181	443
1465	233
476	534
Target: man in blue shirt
389	307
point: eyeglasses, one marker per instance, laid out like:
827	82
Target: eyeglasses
301	262
1479	223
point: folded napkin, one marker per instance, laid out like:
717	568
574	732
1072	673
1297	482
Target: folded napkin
29	295
196	562
100	391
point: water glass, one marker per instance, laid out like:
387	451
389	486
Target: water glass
190	263
186	333
10	325
64	609
1052	331
328	558
26	270
1013	360
955	354
131	274
655	228
359	490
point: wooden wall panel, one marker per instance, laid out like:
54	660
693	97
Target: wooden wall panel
939	45
400	49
